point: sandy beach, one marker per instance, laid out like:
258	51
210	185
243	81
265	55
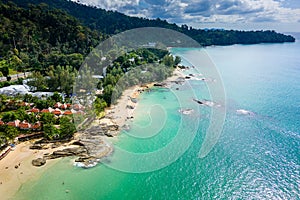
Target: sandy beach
123	111
16	168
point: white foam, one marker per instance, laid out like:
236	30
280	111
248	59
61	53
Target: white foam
186	111
244	112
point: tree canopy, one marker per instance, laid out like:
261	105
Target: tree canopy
112	22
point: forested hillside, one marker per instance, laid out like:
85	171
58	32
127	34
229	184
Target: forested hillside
38	37
112	22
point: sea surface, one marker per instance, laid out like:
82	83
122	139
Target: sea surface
256	156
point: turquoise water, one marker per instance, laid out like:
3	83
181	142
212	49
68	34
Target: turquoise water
256	157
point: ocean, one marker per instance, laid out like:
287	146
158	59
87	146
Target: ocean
256	154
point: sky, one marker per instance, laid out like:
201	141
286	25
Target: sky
279	15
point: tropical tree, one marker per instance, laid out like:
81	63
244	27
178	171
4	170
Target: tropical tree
99	105
9	116
67	128
11	132
51	132
47	118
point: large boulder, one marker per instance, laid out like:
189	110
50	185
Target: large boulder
38	162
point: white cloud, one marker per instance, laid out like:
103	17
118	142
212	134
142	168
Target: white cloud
110	4
226	11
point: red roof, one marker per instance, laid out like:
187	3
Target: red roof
68	112
45	110
14	123
37	125
1	123
57	112
34	110
58	105
25	125
64	106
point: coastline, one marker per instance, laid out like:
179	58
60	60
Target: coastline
16	168
123	111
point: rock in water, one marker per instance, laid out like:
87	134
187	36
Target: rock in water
38	162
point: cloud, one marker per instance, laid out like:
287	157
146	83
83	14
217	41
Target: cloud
206	11
110	4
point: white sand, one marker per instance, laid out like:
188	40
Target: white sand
12	178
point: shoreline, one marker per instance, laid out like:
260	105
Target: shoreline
123	111
16	168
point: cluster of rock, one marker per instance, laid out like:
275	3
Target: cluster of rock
103	130
89	146
96	148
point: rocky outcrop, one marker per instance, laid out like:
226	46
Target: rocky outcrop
179	81
77	151
160	84
38	162
183	67
103	130
96	148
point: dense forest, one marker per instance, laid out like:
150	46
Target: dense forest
112	22
38	37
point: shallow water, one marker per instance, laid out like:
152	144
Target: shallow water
256	157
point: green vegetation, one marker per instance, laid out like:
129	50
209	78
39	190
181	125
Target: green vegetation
12	109
37	38
133	68
112	22
52	38
65	130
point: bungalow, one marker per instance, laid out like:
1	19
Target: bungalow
56	112
64	106
58	105
68	112
34	110
14	123
47	110
24	125
37	126
1	122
